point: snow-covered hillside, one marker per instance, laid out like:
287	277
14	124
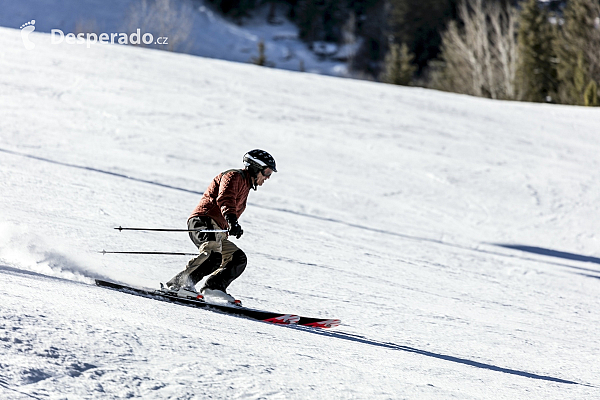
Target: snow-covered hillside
207	33
456	238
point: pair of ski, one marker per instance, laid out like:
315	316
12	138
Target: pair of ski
266	316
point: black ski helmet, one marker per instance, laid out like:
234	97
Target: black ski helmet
257	160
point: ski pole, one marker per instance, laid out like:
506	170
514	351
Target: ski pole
147	252
169	230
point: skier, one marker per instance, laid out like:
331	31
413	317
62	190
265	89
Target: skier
220	208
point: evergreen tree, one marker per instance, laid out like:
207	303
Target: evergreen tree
399	69
418	23
309	19
371	24
591	94
262	56
321	19
536	72
235	8
577	49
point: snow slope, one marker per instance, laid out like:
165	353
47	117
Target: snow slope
392	211
210	35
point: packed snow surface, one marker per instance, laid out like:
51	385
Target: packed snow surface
456	238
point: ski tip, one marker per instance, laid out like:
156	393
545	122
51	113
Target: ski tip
328	323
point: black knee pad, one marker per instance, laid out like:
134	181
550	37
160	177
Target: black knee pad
210	265
237	265
214	261
239	258
230	271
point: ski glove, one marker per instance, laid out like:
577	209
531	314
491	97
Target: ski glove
234	228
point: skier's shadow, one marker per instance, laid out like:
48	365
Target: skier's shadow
551	253
464	361
588	272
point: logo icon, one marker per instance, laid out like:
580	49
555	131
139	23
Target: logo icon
26	29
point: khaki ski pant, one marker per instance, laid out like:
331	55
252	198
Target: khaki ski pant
218	257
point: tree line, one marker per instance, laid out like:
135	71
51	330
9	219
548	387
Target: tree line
527	53
523	50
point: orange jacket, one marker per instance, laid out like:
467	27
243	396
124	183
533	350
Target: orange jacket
226	194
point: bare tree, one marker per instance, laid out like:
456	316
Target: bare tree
504	42
169	19
479	57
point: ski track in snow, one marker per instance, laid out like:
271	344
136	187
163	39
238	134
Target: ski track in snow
454	237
